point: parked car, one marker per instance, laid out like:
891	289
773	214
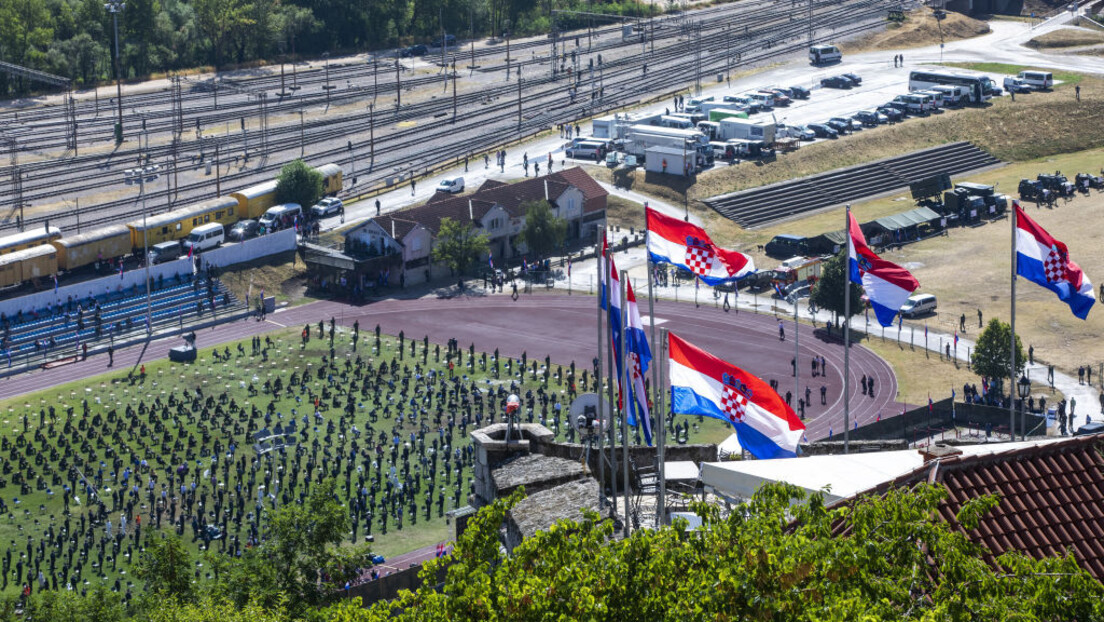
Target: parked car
840	124
243	230
330	206
781	96
892	115
855	79
802	132
1016	85
836	82
920	304
799	92
823	131
870	118
414	50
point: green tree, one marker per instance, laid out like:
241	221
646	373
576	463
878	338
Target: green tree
992	356
299	183
775	557
221	21
302	560
165	567
458	246
828	291
543	231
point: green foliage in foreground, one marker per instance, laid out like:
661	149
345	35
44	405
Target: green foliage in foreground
898	560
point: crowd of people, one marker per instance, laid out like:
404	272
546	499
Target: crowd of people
88	481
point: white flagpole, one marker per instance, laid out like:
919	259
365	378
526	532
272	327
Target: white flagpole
659	432
624	379
1012	350
598	380
797	351
661	404
847	335
609	389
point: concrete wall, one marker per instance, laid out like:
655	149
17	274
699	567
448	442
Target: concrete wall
387	587
226	255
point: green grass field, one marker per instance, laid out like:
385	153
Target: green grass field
142	436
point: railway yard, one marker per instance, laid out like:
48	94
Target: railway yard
384	119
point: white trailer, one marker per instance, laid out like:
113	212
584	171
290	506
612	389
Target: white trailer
640	139
668	160
739	128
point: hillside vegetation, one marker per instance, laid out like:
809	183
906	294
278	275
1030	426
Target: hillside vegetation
920	28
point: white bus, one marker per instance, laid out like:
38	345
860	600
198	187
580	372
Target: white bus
980	87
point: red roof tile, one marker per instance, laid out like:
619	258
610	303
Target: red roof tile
1051	498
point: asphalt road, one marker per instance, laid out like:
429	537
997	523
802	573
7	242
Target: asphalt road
563	328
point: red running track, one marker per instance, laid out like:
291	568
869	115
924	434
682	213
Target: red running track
564	328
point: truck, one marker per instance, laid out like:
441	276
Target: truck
797	270
640	137
739	128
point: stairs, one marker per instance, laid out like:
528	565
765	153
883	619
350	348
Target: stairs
768	204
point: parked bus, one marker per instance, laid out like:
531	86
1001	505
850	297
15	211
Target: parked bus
981	87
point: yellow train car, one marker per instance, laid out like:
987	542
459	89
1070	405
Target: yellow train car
254	200
332	181
179	223
28	239
76	251
31	263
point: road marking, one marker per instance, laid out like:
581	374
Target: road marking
276	323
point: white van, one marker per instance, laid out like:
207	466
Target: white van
765	101
205	237
1038	80
936	97
820	54
920	304
280	216
953	95
451	185
913	103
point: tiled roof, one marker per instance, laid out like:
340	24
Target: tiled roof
1051	498
579	178
402	226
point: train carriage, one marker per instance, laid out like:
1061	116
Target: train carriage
331	179
27	264
254	200
179	223
106	244
28	239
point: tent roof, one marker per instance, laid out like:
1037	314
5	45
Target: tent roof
907	219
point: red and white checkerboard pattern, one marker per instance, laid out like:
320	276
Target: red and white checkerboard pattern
734	404
700	259
1055	266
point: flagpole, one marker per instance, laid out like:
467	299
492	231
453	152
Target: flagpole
1012	350
661	404
796	367
609	389
847	336
623	378
598	380
659	433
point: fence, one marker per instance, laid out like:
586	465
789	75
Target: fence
223	256
920	422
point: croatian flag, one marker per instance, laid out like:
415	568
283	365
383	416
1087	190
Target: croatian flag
886	284
637	353
490	260
702	384
687	246
1045	261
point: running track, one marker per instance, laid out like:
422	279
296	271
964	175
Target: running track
562	327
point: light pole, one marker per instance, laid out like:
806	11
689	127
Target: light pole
145	243
371	136
1023	388
300	133
115	7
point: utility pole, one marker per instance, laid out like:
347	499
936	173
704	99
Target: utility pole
218	169
398	87
115	7
371	135
507	26
301	148
519	104
454	92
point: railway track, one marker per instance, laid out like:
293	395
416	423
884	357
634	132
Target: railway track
621	79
